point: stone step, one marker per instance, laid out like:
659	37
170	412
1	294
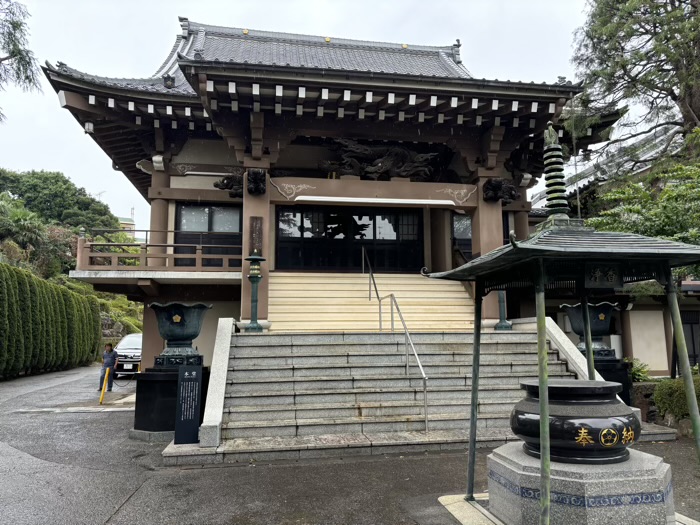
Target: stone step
276	412
350	326
336	338
384	347
358	425
294	448
486	380
367	395
363	370
432	356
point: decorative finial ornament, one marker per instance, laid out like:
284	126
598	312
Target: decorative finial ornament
557	205
550	135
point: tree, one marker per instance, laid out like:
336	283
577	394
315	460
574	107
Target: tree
643	52
55	198
17	63
665	205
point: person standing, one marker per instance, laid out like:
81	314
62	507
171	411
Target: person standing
110	358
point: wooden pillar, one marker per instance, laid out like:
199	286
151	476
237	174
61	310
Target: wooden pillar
159	217
487	234
522	226
256	206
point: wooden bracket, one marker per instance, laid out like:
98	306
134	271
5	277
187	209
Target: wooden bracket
491	145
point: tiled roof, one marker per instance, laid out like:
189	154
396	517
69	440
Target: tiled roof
243	46
200	42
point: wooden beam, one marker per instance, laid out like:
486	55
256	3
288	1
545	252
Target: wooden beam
257	123
233	95
150	287
77	102
491	145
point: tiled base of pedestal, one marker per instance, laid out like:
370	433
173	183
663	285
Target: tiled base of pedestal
638	491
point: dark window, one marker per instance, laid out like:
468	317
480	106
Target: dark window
217	228
332	238
462	234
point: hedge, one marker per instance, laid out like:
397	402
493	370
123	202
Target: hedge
44	326
669	396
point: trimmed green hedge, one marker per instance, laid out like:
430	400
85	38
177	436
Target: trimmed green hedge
44	326
669	396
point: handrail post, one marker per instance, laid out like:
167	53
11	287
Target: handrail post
392	315
405	344
425	402
380	315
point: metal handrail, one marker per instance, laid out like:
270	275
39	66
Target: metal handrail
408	341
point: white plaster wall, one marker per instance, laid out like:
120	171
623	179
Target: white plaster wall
648	340
205	342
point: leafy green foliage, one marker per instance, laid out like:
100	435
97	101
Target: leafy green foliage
645	52
5	344
48	327
14	321
639	371
669	397
55	198
663	205
17	63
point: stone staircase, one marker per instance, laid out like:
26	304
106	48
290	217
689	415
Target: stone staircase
291	396
333	302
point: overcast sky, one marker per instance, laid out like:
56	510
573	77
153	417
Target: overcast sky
501	39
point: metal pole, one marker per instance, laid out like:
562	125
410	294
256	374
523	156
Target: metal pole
425	401
475	392
587	336
405	344
683	361
544	398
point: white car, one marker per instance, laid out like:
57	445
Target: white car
129	350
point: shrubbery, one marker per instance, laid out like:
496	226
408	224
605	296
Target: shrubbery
669	396
44	326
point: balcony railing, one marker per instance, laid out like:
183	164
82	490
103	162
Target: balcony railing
160	250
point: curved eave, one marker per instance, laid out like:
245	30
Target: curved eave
468	85
60	80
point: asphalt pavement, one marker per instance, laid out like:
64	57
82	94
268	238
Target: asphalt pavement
66	460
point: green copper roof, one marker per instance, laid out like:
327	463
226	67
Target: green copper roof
565	250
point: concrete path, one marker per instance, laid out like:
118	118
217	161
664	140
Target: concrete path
66	460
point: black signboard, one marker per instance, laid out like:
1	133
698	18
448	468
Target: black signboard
189	404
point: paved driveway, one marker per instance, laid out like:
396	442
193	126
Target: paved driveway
64	460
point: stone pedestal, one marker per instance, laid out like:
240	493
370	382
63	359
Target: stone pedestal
156	399
637	491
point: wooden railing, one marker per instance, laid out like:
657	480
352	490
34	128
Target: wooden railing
204	256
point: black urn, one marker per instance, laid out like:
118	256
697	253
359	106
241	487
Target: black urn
600	315
179	324
587	423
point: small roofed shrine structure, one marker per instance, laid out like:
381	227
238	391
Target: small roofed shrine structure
564	255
